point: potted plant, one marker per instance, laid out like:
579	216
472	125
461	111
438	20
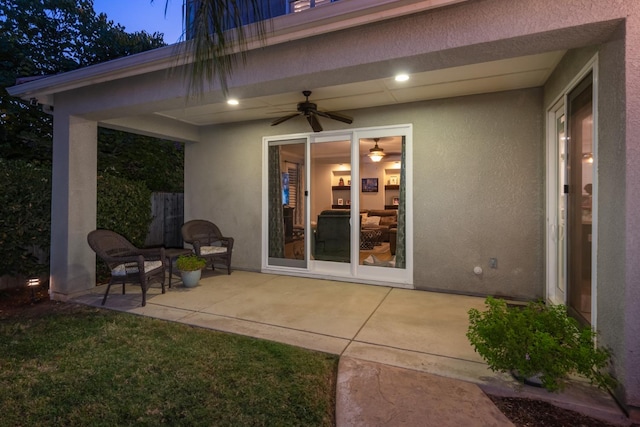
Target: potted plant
190	267
537	340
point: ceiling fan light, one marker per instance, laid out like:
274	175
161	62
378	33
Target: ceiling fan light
376	157
376	153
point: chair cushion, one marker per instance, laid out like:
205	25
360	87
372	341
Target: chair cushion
132	268
211	250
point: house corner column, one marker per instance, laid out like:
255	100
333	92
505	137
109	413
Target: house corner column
73	205
632	214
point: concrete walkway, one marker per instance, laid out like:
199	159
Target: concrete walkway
405	359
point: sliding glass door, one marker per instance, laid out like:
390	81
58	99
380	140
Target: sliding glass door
354	221
286	203
571	193
580	199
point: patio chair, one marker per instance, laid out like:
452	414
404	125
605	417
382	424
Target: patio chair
127	263
208	242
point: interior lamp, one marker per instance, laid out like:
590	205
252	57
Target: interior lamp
376	153
587	157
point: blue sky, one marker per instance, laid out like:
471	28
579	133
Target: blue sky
138	15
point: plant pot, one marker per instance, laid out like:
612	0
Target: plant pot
190	278
534	380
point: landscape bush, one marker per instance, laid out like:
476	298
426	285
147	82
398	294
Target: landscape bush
25	217
124	206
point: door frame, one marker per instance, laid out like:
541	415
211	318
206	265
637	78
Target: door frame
352	272
556	292
558	103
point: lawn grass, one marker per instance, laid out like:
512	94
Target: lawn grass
87	366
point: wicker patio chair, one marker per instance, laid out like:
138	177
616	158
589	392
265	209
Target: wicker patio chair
127	263
208	242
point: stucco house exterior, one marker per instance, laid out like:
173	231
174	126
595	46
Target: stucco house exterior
513	151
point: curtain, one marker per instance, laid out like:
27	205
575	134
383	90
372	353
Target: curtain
300	196
276	219
401	258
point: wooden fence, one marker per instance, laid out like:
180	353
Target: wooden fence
168	216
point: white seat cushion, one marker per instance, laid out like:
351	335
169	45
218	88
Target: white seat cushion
210	250
132	268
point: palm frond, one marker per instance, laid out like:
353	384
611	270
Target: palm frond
218	40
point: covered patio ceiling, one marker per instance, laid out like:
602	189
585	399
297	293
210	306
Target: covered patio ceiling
495	76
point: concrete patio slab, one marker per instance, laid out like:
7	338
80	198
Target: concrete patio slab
323	307
476	372
371	394
312	341
425	322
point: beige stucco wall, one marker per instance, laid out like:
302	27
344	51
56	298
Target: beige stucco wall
478	189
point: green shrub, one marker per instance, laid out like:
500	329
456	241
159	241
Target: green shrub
190	263
537	339
25	217
25	214
124	207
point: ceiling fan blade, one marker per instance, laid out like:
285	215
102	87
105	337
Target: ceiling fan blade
336	116
283	119
313	121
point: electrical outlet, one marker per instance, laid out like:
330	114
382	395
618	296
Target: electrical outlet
493	262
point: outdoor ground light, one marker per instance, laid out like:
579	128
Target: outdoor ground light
32	284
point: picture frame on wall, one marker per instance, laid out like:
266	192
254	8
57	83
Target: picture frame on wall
369	185
396	201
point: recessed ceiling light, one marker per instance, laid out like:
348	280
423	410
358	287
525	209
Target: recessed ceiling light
233	101
402	77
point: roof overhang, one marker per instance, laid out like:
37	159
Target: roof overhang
321	20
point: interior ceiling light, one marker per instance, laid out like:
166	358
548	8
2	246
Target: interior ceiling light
233	101
402	77
376	153
587	157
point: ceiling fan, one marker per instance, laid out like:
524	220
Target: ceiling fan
310	111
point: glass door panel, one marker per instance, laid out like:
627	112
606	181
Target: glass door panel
579	203
561	213
331	201
287	236
381	202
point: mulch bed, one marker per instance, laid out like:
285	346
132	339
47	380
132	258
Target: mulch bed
529	413
522	412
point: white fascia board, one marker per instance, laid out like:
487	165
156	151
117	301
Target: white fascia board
295	26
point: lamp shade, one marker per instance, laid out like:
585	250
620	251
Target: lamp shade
376	153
